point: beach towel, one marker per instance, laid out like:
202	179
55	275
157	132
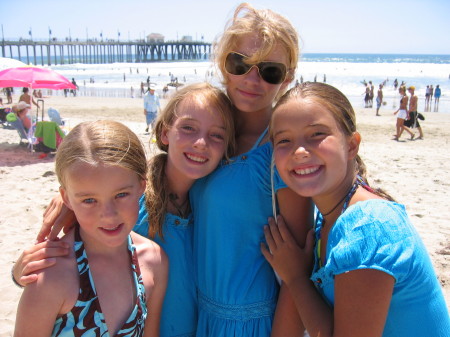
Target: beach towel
49	133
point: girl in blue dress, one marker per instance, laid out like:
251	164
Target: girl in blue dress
237	289
193	133
371	275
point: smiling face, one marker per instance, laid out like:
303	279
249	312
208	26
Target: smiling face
249	92
105	200
312	154
196	141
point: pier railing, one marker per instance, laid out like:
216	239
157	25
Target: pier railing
54	52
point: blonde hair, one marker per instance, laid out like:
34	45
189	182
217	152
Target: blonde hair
100	143
157	191
272	29
337	103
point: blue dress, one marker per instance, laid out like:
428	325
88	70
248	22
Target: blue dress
377	234
179	313
237	288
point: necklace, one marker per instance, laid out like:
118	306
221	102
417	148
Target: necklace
340	201
182	209
320	221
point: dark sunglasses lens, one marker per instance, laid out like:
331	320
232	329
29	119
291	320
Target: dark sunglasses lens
235	65
272	73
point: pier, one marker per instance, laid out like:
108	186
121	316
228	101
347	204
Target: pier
55	52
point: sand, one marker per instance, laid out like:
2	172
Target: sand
415	172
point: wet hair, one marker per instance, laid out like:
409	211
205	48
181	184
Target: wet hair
102	142
337	103
273	30
157	190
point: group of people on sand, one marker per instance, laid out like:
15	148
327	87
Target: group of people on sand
227	202
407	115
431	92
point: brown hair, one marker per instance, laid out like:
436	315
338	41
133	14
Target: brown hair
337	103
157	191
99	143
272	28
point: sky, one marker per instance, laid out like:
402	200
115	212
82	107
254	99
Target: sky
325	26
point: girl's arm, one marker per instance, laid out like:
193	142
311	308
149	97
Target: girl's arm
155	273
40	256
297	211
39	307
362	297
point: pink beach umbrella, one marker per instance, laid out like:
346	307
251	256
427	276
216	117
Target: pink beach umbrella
34	78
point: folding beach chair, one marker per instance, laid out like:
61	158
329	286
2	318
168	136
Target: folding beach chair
18	125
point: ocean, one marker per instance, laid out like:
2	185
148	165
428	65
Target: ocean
347	72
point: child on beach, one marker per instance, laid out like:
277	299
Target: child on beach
193	132
371	274
102	173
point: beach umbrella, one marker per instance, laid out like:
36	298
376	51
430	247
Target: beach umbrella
6	62
34	78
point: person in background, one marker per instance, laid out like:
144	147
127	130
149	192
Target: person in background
437	96
413	121
102	170
151	106
74	91
25	97
402	114
9	92
379	98
367	273
21	110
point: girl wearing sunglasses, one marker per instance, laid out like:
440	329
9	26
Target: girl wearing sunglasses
238	293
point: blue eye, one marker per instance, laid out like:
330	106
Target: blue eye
89	201
122	195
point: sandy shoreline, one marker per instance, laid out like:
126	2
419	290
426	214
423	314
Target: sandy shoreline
415	172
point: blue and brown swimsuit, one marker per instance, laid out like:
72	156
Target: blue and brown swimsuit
86	317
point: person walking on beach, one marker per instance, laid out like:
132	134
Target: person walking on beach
371	94
101	169
379	98
364	270
151	106
413	120
427	98
366	95
74	91
402	114
437	96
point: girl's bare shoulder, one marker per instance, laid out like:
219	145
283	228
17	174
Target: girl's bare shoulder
149	252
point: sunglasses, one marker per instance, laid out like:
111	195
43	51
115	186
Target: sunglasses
271	72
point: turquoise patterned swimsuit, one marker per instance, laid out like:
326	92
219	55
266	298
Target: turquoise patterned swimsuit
86	317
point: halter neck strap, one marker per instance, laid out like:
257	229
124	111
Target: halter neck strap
261	137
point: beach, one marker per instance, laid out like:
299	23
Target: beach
414	172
